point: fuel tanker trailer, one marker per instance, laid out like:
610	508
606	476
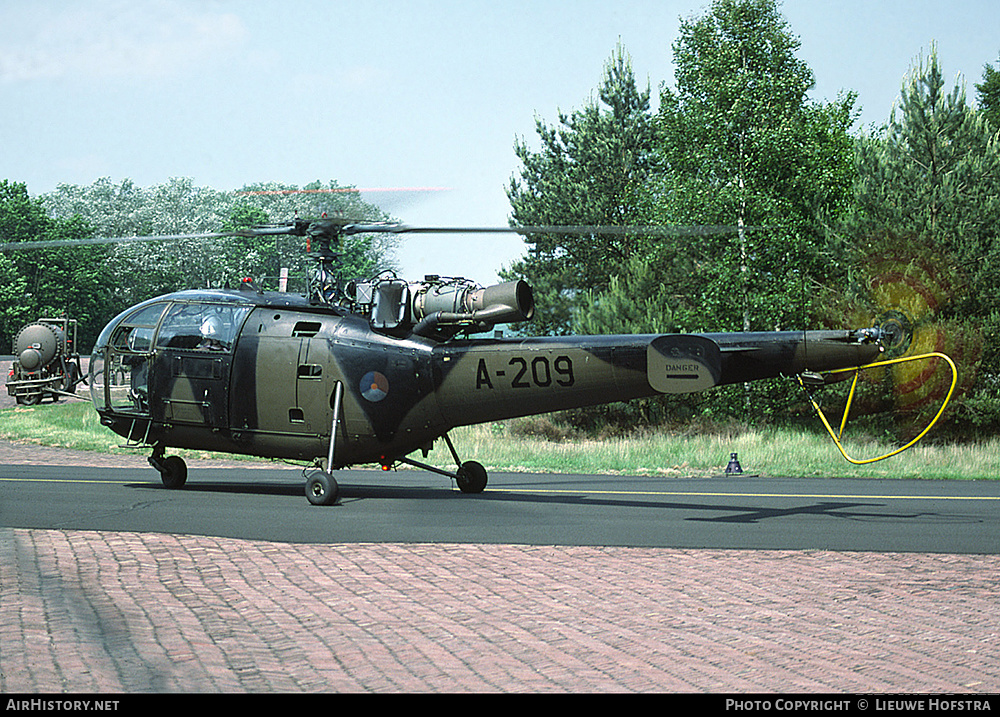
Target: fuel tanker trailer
46	361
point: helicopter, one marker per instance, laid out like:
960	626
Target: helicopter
378	370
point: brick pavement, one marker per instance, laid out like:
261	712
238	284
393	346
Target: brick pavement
130	612
111	612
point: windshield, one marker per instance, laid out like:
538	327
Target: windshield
124	343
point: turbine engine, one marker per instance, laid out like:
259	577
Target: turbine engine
442	307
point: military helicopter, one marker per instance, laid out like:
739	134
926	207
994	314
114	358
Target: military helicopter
378	370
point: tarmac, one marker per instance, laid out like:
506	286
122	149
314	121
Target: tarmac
129	613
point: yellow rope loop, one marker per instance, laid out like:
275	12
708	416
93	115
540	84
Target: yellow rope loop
850	398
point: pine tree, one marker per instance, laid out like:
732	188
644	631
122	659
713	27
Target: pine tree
592	170
930	182
924	173
989	96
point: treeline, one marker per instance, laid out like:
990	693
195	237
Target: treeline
92	283
787	218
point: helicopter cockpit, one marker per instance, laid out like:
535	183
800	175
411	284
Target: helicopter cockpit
198	325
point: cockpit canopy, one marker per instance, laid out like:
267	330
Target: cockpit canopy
197	321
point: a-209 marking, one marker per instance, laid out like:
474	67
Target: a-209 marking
537	371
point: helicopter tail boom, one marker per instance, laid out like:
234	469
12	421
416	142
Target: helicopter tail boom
518	377
759	355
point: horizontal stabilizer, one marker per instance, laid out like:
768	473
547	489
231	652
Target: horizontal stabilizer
683	363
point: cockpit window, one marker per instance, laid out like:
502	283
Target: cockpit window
201	327
138	339
149	316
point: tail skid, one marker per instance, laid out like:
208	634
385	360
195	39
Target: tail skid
837	436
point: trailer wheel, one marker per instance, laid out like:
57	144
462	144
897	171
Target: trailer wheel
71	378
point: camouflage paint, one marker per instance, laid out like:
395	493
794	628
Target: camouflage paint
271	394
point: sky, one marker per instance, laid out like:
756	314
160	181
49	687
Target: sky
426	95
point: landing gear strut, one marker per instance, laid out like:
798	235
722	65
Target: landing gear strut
470	476
173	470
321	486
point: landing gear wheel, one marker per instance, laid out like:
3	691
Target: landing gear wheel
173	472
322	489
471	477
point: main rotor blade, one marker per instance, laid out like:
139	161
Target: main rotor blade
546	229
337	190
299	227
56	243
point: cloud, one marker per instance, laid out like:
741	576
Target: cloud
109	38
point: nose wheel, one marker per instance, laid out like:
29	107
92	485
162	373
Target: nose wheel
173	469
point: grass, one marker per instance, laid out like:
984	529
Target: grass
501	446
766	452
75	425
